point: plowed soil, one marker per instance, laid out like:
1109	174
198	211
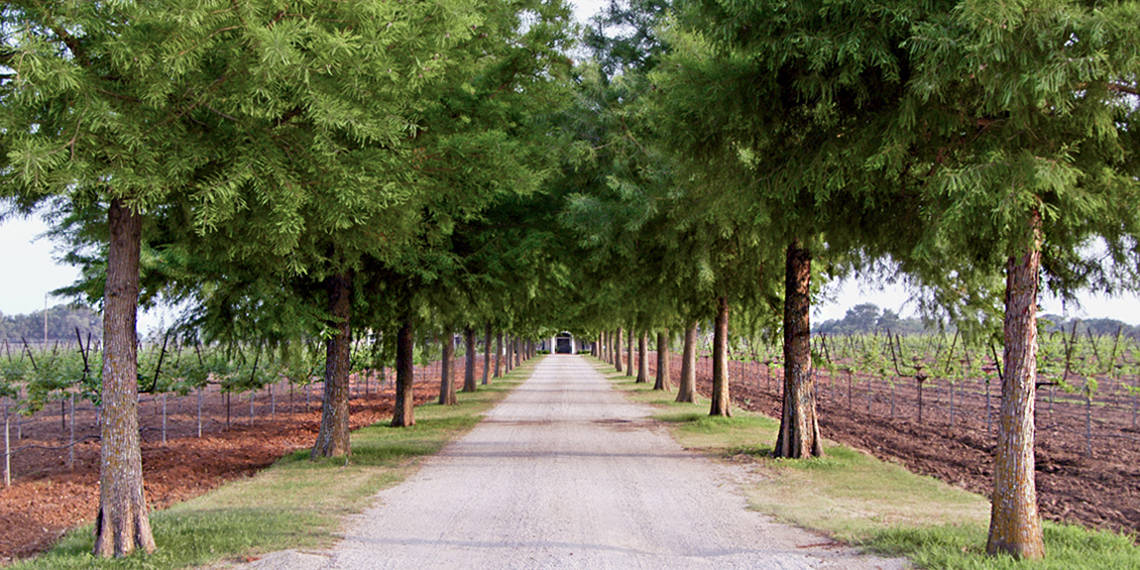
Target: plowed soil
1100	490
48	497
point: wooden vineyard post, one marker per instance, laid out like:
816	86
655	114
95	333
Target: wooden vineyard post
989	421
199	413
952	406
7	448
892	401
71	438
164	418
1088	421
849	395
1135	404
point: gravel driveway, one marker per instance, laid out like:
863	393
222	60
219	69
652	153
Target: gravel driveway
566	473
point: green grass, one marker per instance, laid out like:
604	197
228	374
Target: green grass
859	499
296	503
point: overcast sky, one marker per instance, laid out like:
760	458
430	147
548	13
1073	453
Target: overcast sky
32	272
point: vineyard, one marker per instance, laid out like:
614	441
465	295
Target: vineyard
945	425
197	432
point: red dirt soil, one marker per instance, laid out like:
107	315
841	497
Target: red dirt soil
47	497
1101	490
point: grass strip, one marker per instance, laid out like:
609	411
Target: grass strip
861	500
295	503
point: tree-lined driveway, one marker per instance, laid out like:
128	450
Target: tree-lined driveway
565	472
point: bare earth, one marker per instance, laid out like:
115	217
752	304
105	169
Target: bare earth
566	473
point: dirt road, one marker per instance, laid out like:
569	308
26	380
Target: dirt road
566	473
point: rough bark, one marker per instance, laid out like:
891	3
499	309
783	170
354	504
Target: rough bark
687	389
447	369
469	383
1015	526
643	357
720	397
662	380
629	351
486	354
332	439
517	344
122	524
403	415
799	425
499	355
617	350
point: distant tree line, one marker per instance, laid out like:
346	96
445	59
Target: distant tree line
62	322
1097	327
869	318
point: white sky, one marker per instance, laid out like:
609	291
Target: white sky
32	272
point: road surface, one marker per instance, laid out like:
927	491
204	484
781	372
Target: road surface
566	473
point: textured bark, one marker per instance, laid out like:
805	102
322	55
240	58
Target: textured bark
469	383
617	350
799	425
720	397
404	413
662	380
486	354
629	351
499	355
1015	526
332	439
687	389
517	344
643	357
122	524
447	369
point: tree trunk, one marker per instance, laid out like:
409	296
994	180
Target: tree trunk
662	381
617	350
799	426
517	348
332	439
1015	527
687	390
508	357
643	357
447	369
122	523
469	383
404	413
720	396
499	355
629	353
486	354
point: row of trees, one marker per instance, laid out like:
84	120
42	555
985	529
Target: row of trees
289	171
61	323
300	170
974	150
